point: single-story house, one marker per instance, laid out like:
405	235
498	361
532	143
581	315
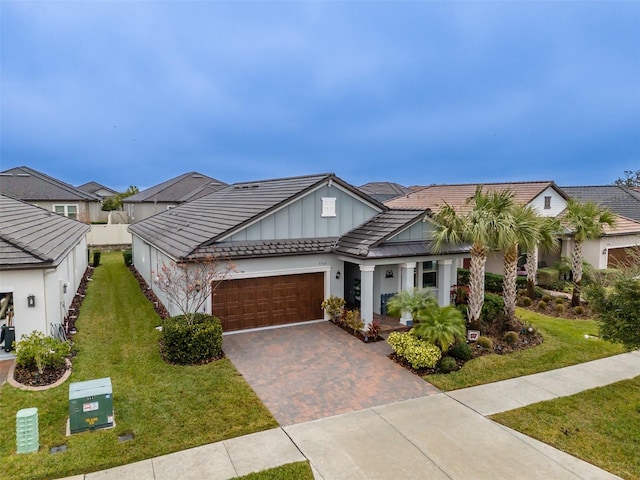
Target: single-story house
294	242
43	257
98	189
159	198
614	246
545	196
37	188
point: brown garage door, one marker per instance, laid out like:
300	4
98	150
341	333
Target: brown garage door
622	256
267	301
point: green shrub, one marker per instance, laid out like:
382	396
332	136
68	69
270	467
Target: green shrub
559	307
526	302
493	282
493	309
333	306
441	326
546	298
352	320
96	258
187	343
511	337
128	257
485	342
542	305
546	276
419	353
37	350
558	300
461	351
579	310
538	292
447	364
463	276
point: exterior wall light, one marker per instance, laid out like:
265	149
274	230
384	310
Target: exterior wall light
31	300
338	274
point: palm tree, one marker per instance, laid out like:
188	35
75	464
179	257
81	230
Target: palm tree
410	302
528	230
440	326
484	227
549	230
586	220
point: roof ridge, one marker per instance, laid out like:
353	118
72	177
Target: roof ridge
64	185
24	247
295	177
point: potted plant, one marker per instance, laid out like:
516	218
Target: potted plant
333	306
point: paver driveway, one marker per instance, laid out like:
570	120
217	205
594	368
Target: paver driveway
312	371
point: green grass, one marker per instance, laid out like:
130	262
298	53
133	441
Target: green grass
600	426
290	471
564	344
167	407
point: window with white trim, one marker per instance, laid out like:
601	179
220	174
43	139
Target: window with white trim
328	206
70	211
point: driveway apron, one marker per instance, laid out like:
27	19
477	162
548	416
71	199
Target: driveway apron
312	371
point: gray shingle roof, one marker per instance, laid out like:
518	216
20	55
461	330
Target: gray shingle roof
370	234
32	237
178	189
24	183
93	187
262	248
201	222
383	191
619	200
413	249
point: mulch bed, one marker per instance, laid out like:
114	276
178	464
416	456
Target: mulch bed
150	294
32	378
359	334
567	311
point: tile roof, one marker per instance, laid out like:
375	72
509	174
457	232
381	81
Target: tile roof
412	249
370	234
620	200
32	237
24	183
177	189
203	221
624	226
93	187
262	248
383	191
435	196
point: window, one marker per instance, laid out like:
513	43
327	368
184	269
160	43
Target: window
547	203
70	211
328	206
429	276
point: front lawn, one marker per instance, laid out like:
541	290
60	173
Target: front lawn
564	344
587	425
166	407
290	471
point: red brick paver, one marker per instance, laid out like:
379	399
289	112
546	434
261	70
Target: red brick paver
312	371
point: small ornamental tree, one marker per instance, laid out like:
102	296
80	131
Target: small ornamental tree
189	285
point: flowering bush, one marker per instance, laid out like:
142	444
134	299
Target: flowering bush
333	306
37	350
419	353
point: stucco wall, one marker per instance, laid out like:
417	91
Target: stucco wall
140	211
47	286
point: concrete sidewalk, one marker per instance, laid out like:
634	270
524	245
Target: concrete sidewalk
443	436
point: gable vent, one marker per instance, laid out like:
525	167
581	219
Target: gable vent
23	175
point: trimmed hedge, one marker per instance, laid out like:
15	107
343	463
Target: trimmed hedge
419	353
191	343
492	281
548	276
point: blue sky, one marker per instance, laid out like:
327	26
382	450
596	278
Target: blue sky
125	92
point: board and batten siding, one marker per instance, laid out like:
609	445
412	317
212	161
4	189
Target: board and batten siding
416	232
303	218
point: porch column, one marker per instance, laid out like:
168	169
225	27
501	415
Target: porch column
366	294
444	282
406	277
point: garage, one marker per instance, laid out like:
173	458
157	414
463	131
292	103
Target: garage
268	301
622	256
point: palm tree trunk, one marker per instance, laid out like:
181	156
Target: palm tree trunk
532	272
509	287
576	268
476	284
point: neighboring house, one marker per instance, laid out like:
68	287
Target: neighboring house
383	191
97	189
545	196
43	257
294	242
616	244
37	188
181	189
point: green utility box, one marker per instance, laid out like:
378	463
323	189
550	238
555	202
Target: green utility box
27	430
90	405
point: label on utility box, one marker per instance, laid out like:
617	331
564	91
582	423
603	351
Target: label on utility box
89	407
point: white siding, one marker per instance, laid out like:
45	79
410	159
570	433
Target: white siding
558	204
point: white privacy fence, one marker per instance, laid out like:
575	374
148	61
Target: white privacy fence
114	234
